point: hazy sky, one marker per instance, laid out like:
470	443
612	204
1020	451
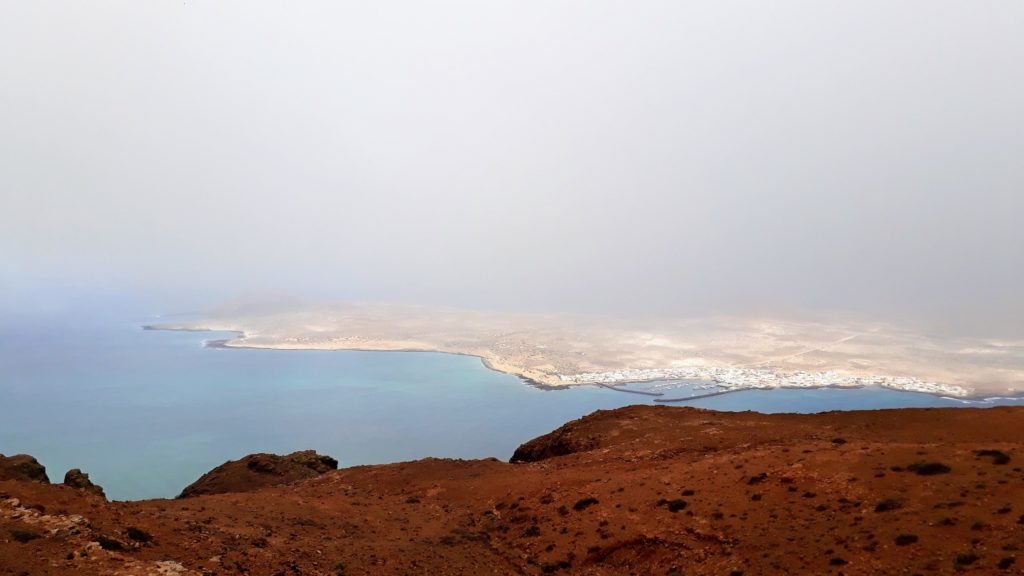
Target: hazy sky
671	156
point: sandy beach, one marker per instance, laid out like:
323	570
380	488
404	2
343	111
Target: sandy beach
564	350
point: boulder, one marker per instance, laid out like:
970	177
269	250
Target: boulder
75	478
22	467
257	471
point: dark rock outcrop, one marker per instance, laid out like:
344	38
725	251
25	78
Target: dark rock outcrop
75	478
318	463
22	467
257	471
562	442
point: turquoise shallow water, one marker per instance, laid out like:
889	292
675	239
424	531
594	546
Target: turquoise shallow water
147	412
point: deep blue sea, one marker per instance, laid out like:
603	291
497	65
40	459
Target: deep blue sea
147	412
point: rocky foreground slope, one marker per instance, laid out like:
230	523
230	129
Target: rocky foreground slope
639	490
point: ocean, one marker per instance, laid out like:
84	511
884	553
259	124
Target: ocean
145	413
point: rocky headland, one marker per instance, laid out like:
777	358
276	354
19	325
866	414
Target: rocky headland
638	490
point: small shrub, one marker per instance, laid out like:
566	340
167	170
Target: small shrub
584	503
138	534
110	544
997	456
555	566
905	539
929	468
966	559
22	535
888	505
676	505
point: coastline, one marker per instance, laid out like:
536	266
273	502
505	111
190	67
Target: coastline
228	343
549	382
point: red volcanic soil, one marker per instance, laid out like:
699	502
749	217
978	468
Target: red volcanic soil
639	490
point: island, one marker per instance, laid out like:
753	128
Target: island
554	350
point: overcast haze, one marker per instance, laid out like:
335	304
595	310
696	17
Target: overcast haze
676	157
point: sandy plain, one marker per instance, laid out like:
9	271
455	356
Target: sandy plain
561	350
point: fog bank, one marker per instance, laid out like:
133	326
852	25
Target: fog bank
610	157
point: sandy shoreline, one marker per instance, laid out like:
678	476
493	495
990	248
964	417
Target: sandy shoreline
755	375
240	343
